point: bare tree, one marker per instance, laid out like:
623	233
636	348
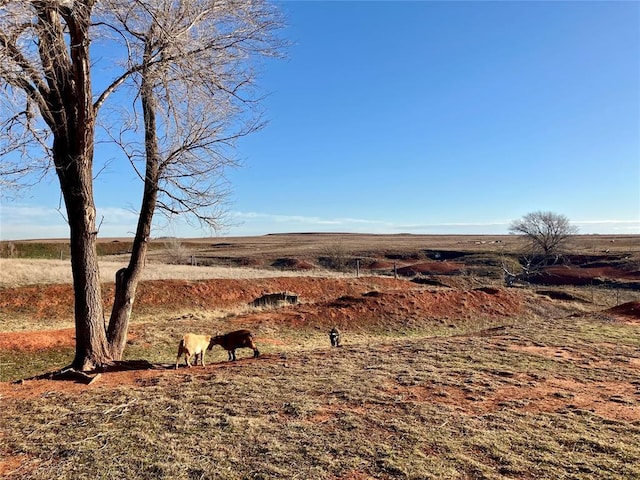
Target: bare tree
188	64
545	234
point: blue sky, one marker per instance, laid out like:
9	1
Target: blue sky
426	118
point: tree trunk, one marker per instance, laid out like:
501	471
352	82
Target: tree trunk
71	116
127	278
125	289
91	340
127	283
76	185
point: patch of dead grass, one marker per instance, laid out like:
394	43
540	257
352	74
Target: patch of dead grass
19	272
465	406
430	384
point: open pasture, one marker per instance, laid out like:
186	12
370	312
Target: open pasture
461	380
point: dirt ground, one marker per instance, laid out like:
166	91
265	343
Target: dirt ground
323	302
358	303
382	306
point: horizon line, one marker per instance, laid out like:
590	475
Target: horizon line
311	233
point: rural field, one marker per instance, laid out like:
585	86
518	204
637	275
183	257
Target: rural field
443	372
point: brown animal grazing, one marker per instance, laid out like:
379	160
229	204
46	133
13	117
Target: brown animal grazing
192	344
334	336
238	339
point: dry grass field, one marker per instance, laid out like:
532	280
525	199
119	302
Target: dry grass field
442	375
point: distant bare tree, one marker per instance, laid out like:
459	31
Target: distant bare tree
545	234
188	66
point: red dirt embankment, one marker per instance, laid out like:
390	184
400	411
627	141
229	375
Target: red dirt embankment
357	303
56	301
392	309
431	268
630	310
572	275
375	295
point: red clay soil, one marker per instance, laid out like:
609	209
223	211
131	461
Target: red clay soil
431	268
571	275
546	396
37	340
31	341
354	303
56	301
355	475
584	358
628	312
320	298
629	309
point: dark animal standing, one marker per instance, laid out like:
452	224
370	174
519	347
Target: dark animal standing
238	339
334	336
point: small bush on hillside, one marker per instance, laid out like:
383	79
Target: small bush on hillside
335	257
176	251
